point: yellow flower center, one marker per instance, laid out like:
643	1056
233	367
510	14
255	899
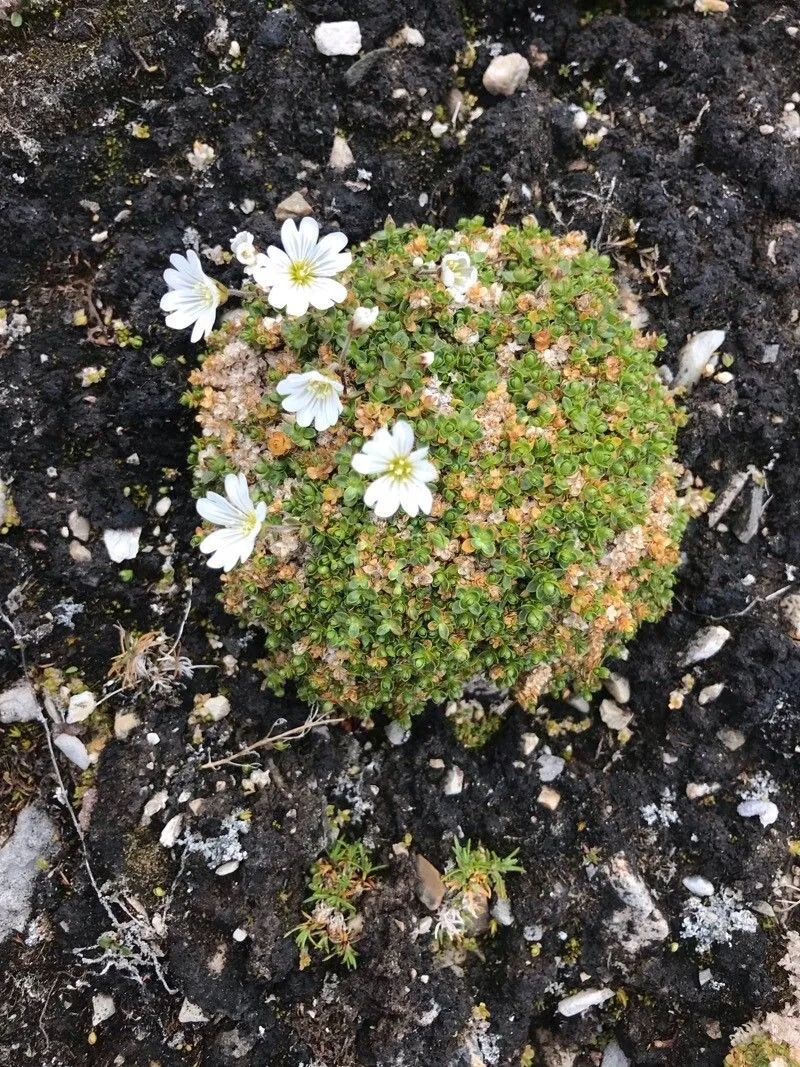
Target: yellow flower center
301	272
320	389
249	523
206	294
399	468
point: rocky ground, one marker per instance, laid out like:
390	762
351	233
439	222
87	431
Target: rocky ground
672	138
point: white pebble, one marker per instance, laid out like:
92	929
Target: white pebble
162	506
454	782
694	356
580	119
766	811
615	717
81	706
191	1013
614	1056
709	693
227	868
341	156
506	74
580	1002
122	544
550	766
705	644
103	1008
619	687
172	831
338	38
701	887
239	934
396	734
74	749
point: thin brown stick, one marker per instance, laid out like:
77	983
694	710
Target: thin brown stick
270	741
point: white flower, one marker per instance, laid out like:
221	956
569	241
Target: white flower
312	397
458	274
193	297
302	272
244	250
363	318
403	472
239	518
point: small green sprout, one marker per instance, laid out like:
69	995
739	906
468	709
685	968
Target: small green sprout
332	924
475	876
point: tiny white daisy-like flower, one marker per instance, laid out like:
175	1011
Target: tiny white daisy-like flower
458	274
243	248
193	297
402	469
363	319
241	521
302	272
312	397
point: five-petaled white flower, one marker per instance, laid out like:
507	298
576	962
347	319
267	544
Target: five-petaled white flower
458	274
243	248
302	272
363	319
193	297
240	519
402	469
312	397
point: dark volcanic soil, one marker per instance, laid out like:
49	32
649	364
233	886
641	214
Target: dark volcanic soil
700	206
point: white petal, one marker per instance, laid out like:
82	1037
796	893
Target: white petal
380	445
290	239
296	300
383	497
308	234
215	508
365	464
424	471
305	415
328	415
237	492
323	293
403	438
424	497
409	500
331	265
329	247
278	294
297	401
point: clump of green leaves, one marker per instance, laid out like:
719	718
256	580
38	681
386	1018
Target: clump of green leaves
332	923
555	524
761	1051
473	724
474	877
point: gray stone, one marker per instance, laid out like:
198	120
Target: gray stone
33	839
